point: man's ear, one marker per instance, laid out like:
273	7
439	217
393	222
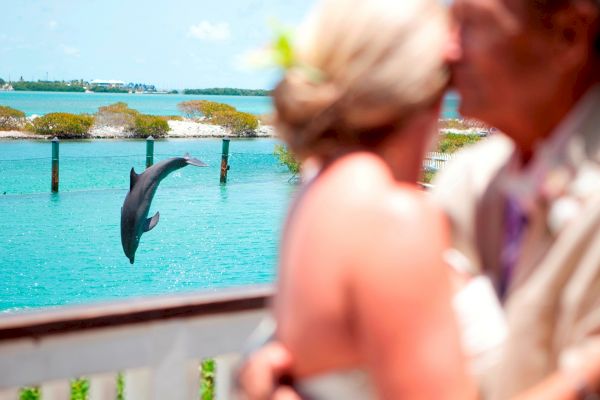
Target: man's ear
575	33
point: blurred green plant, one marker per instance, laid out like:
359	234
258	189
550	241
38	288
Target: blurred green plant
80	389
207	379
120	386
30	393
286	158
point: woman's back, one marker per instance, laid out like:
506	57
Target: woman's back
362	282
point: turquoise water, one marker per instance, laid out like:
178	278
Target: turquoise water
65	248
40	103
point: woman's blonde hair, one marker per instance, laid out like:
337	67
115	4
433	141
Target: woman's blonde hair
376	63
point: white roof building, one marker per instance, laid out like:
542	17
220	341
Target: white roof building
107	83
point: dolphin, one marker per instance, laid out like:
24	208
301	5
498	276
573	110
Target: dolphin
142	187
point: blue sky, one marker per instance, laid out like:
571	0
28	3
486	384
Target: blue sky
172	44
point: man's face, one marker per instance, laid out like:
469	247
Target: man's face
501	68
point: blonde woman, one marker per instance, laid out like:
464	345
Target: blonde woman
362	281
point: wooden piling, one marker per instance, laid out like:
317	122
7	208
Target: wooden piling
55	157
149	151
224	161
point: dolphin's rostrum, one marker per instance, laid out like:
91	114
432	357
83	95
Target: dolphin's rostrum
134	213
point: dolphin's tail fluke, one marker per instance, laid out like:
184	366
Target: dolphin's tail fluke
194	161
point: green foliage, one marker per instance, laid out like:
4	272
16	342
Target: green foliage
199	108
283	49
120	386
28	127
236	122
2	82
117	115
228	92
11	119
30	393
63	125
207	379
80	389
451	142
173	91
287	158
104	89
120	108
44	86
428	176
150	125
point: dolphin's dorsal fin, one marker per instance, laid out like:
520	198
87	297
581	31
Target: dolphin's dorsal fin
133	177
151	222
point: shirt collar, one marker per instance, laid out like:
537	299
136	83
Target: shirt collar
549	169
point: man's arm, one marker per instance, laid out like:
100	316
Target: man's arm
260	376
583	384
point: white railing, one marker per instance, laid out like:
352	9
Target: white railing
157	343
436	161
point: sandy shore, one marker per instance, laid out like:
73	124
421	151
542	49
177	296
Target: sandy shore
179	129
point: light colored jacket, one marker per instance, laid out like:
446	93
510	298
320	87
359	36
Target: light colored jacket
553	302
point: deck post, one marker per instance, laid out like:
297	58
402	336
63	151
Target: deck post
55	143
149	151
224	160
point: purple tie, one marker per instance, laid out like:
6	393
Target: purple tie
515	222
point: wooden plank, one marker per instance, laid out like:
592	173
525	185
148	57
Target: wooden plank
9	394
81	318
193	379
138	384
56	390
224	375
139	345
171	372
103	386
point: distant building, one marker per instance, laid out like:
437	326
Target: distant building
107	83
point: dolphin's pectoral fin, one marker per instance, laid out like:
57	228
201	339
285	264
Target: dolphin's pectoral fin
151	222
133	177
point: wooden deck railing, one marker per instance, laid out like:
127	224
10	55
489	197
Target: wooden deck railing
157	343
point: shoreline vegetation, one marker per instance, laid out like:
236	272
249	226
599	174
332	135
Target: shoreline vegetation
81	86
201	119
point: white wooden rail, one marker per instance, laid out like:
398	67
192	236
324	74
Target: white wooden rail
436	161
157	342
